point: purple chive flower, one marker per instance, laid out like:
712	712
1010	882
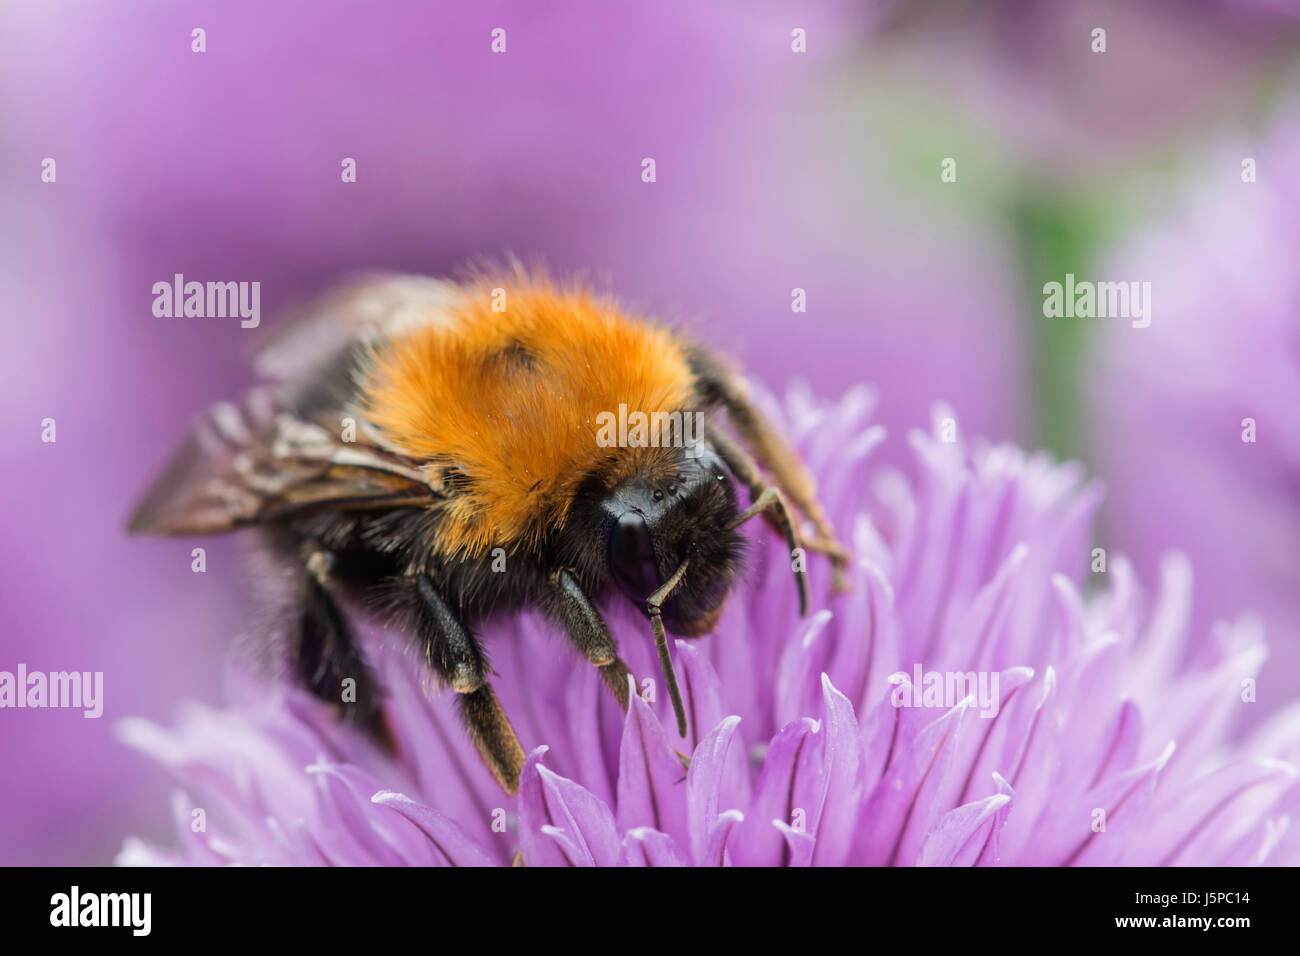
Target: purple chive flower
1102	740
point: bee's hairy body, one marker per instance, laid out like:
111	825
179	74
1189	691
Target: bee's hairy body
430	448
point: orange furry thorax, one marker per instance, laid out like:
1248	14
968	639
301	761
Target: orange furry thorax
502	406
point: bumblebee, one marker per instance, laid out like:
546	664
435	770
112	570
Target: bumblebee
431	449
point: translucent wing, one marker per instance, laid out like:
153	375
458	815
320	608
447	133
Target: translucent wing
258	462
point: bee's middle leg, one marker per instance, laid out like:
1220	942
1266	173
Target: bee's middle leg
456	657
570	607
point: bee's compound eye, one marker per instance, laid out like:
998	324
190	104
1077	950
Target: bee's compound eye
632	558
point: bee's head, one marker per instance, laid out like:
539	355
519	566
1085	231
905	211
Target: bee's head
679	508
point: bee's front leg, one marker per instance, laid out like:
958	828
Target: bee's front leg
775	454
569	606
765	499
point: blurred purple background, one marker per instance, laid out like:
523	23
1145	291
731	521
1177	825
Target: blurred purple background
775	170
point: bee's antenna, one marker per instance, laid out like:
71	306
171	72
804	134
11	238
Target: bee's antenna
653	604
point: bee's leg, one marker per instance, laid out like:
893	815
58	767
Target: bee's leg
747	472
456	657
765	499
569	606
325	655
776	455
654	605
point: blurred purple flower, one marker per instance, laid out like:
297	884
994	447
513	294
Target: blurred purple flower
1263	9
1029	71
1102	745
1172	399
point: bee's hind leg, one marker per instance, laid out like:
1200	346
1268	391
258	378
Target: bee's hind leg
456	658
570	607
322	652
